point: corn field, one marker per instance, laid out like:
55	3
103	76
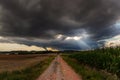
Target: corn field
107	59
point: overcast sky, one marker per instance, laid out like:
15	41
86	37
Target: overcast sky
58	24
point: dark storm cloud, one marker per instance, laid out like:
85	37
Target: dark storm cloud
47	18
61	45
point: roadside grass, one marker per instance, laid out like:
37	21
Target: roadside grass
30	73
88	73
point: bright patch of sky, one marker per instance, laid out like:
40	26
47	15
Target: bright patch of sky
15	46
59	36
112	42
51	49
1	37
117	24
73	38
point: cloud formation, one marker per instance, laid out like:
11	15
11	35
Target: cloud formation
112	42
40	21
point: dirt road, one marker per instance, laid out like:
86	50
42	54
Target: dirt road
59	70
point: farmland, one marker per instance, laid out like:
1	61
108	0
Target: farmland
104	60
14	67
98	64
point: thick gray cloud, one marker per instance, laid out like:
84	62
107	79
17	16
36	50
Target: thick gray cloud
44	19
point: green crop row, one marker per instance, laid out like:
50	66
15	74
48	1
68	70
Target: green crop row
102	59
87	73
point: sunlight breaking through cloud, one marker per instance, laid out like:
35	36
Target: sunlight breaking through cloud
73	38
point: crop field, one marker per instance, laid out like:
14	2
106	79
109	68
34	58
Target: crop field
105	60
19	67
99	64
18	62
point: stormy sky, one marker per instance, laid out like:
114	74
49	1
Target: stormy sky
59	24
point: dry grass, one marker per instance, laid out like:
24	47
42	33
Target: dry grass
18	62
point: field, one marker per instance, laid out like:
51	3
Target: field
99	64
101	60
19	67
18	62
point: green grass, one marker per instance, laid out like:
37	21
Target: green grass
88	73
30	73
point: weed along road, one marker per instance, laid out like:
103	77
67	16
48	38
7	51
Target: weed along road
59	70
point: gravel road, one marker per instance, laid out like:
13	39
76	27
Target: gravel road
59	70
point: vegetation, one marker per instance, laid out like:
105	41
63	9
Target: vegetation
107	60
30	73
88	73
26	52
